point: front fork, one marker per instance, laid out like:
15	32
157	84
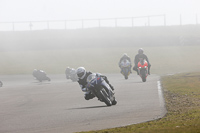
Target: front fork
108	89
146	69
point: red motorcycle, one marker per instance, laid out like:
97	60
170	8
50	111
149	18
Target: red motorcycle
143	69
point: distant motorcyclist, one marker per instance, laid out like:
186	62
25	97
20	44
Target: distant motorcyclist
40	75
137	59
67	72
36	72
82	80
125	57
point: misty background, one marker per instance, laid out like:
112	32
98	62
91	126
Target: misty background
40	10
49	34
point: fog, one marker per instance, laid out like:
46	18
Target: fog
51	35
37	10
176	24
46	15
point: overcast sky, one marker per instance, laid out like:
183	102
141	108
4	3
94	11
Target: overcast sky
34	10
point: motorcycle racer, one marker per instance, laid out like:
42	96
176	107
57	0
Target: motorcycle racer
82	80
124	57
67	72
137	59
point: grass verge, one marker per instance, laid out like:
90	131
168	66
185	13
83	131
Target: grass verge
182	96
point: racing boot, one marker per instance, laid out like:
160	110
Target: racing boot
137	72
89	96
149	72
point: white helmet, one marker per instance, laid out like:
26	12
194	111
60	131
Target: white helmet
140	51
125	54
81	72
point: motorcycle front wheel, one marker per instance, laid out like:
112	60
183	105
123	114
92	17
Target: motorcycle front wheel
105	97
114	102
126	71
143	74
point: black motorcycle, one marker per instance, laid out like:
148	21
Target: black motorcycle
98	86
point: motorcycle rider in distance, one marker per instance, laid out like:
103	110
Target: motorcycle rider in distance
67	72
137	59
125	56
82	80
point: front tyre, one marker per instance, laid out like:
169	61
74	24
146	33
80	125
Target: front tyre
114	102
143	74
105	97
144	79
125	71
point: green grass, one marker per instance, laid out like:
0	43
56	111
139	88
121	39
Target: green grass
182	95
164	60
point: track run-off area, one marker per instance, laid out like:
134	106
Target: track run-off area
27	105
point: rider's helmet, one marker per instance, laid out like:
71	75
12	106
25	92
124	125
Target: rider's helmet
67	70
125	55
81	72
140	51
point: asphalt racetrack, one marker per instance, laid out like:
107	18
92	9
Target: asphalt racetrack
58	106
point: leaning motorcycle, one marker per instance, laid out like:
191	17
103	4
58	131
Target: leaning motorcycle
71	74
125	68
40	75
98	86
143	69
